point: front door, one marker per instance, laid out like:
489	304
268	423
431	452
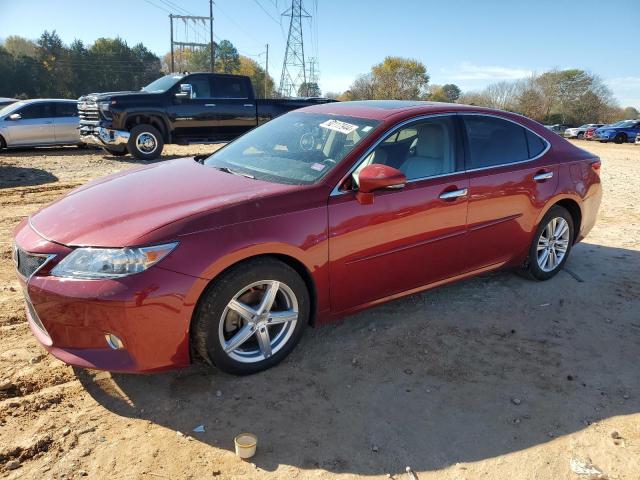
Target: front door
407	238
34	127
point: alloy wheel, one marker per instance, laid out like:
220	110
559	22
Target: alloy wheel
258	321
146	143
553	244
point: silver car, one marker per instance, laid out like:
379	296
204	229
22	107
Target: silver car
579	132
39	123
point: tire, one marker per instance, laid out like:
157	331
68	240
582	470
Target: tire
216	324
145	142
580	136
539	266
3	144
114	152
620	138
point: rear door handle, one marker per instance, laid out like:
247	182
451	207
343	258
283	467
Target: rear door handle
542	176
453	194
209	104
248	104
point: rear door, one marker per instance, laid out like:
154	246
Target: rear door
35	125
510	181
66	122
235	109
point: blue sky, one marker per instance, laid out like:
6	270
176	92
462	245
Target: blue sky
468	42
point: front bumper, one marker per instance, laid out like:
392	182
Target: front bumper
103	137
150	312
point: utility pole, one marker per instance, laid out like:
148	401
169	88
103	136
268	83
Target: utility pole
294	70
173	66
194	19
212	47
266	75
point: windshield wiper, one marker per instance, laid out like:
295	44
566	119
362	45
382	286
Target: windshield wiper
233	172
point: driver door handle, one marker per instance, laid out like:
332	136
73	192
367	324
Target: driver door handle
453	194
209	104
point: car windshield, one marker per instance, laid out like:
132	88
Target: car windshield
10	108
162	84
297	148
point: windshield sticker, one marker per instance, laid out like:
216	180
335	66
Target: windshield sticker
367	128
318	167
338	126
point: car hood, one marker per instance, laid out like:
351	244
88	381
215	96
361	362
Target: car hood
103	96
120	209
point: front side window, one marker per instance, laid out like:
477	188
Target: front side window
422	149
494	141
200	87
36	110
296	148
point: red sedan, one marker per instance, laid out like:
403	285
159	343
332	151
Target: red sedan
317	214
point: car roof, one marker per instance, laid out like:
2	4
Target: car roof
382	109
38	100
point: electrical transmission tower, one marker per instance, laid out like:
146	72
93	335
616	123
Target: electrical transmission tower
294	69
188	19
313	90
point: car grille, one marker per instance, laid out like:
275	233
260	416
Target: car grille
89	113
28	263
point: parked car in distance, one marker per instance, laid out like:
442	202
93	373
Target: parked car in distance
317	214
620	132
39	123
589	132
180	109
557	128
578	132
4	101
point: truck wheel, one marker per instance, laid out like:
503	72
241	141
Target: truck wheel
145	142
114	152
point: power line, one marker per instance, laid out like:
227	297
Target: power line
265	11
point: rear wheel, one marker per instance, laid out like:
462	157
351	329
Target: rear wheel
145	142
116	152
251	317
620	138
551	244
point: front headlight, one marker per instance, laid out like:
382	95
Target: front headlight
99	263
105	108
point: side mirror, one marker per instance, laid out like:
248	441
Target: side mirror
186	91
378	177
15	116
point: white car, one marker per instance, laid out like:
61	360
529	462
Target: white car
39	123
578	132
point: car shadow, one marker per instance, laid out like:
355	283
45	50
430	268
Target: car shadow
12	176
462	373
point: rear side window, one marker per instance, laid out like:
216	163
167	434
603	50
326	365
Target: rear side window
229	87
66	109
493	141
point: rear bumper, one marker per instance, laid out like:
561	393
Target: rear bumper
103	137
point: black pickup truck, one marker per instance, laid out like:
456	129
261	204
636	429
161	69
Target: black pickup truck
179	109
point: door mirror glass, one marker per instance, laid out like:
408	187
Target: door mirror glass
186	91
15	116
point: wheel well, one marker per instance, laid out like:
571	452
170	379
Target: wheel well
574	209
153	120
3	142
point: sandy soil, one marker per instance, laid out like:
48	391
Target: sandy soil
496	377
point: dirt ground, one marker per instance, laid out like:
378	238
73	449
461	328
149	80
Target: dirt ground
497	377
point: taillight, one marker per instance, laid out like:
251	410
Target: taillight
596	164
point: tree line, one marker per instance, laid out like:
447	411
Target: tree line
570	96
49	68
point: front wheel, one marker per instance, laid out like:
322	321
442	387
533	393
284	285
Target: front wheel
551	244
580	136
145	142
251	317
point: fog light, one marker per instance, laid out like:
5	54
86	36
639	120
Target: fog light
113	341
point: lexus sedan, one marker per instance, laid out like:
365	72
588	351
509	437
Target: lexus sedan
39	123
319	213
